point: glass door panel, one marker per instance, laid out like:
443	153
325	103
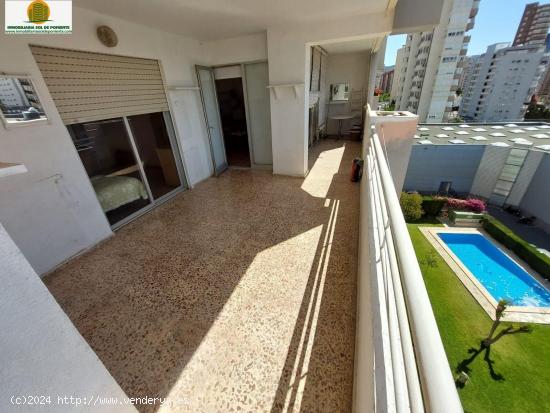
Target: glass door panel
257	80
109	159
207	86
155	150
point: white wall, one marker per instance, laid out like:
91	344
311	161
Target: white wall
396	135
536	200
429	165
42	352
236	50
289	62
416	15
489	170
52	212
352	68
525	176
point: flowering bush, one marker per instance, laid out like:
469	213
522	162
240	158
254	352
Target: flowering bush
471	204
475	205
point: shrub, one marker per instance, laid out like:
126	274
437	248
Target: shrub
411	205
432	206
536	259
475	205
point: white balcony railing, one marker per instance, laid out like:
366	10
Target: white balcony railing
409	365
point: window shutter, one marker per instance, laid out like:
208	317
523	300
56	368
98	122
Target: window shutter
87	86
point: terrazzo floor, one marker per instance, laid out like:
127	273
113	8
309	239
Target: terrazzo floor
238	295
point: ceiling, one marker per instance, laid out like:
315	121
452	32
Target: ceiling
217	19
350	46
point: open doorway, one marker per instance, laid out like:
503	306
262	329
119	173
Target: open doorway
233	115
236	105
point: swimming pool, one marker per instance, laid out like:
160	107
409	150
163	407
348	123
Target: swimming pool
502	277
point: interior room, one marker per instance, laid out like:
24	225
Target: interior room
229	88
106	153
130	162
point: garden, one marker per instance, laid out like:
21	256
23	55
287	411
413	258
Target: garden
509	374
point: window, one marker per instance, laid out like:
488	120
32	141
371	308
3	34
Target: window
449	59
19	102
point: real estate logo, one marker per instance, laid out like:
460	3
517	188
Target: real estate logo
38	16
38	12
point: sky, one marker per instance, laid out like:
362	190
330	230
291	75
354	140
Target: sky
496	21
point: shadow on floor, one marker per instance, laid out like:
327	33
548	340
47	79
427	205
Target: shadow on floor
179	297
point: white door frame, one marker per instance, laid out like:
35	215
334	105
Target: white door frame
242	65
217	171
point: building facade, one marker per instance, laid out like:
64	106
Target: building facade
387	79
476	71
543	93
502	82
534	25
12	94
429	66
505	164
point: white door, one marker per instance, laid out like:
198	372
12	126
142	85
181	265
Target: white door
259	116
210	106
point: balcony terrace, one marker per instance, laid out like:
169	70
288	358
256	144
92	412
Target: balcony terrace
244	286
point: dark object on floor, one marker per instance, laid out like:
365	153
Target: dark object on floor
527	220
356	170
355	133
511	210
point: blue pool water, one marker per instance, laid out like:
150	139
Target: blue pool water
501	276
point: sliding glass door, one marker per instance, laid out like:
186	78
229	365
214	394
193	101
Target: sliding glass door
132	162
155	150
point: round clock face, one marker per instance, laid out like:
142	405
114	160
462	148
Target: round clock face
107	36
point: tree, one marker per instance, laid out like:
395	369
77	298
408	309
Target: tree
384	97
536	111
499	312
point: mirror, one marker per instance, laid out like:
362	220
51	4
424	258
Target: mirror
339	92
19	102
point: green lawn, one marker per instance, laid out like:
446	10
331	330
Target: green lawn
520	380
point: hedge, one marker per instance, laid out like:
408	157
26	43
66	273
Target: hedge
536	259
433	206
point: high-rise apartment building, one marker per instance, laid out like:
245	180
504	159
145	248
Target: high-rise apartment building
534	25
543	93
386	80
502	82
12	94
429	66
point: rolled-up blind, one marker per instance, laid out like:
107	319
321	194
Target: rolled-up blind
87	86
